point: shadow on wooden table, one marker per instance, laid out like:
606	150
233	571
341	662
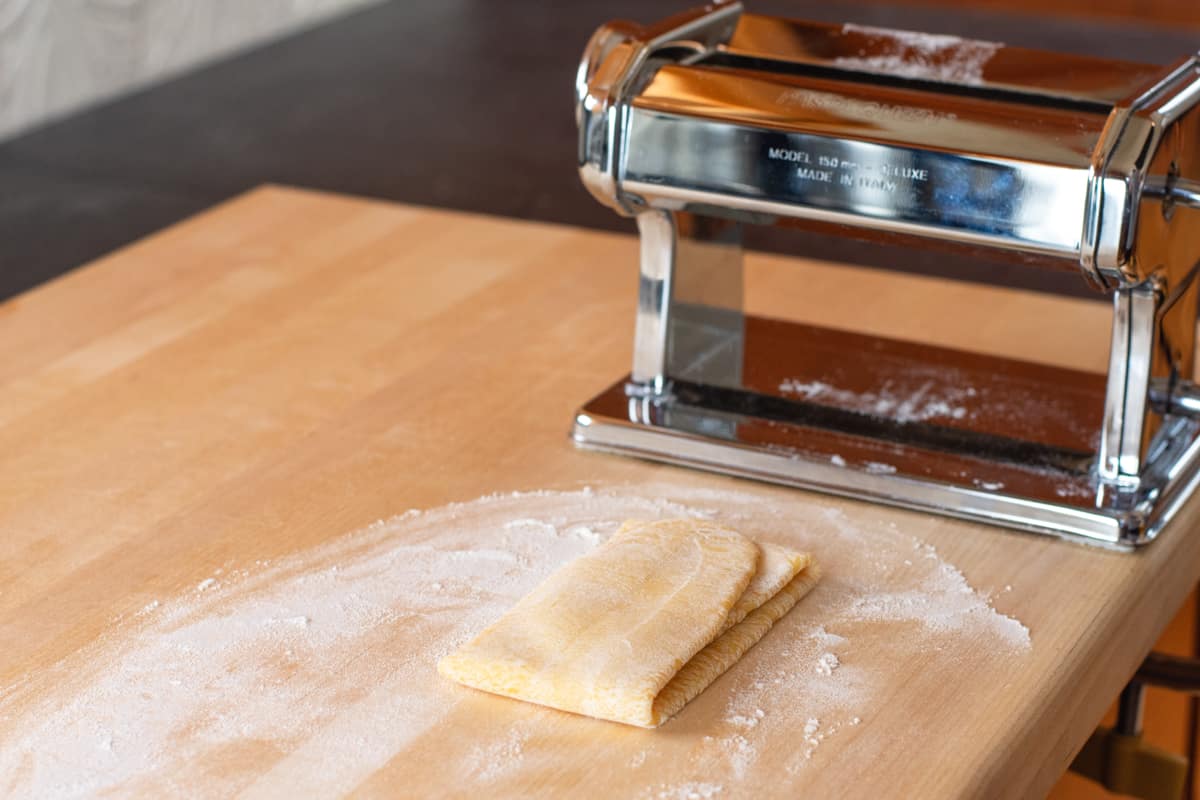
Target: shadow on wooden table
1166	713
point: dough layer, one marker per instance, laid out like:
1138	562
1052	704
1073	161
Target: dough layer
634	630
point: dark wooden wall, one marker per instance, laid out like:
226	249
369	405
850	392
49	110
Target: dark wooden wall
459	103
1161	12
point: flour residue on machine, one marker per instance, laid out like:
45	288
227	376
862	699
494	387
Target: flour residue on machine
924	56
928	400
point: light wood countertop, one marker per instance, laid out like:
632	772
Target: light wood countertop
294	365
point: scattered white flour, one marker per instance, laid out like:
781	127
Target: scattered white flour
824	637
586	534
323	664
922	55
693	790
988	486
879	468
746	720
1075	490
837	460
946	395
916	403
206	584
497	757
812	737
826	664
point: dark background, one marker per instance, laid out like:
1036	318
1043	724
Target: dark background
461	105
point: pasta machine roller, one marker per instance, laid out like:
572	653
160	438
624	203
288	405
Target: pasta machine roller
717	119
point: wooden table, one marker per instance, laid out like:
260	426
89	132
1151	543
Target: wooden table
293	365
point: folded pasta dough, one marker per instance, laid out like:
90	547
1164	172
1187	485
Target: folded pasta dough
634	630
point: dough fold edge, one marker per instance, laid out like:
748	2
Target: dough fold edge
710	663
533	652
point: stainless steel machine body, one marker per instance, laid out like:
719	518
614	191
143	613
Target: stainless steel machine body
717	119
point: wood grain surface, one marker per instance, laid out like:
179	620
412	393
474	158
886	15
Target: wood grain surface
293	365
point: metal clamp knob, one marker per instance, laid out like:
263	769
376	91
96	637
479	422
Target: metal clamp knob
1175	398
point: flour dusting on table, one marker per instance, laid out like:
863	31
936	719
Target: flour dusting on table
323	664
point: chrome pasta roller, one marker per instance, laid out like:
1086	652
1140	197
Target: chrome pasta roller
717	119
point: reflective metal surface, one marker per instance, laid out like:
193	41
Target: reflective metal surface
716	119
994	440
975	143
892	185
689	320
617	59
1126	405
1150	141
1179	399
889	54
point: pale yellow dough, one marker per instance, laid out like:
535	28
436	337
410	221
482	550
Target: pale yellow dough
634	630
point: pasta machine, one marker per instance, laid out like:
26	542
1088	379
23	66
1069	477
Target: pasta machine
717	119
